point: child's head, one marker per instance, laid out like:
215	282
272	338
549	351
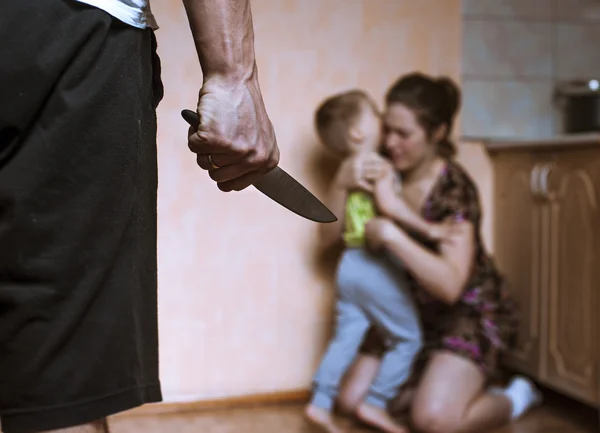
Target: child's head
348	123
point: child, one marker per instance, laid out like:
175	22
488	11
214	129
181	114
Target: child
371	289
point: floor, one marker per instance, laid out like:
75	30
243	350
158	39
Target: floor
556	416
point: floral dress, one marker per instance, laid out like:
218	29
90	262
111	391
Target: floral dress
484	320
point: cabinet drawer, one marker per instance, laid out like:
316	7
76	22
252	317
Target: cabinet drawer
570	327
547	237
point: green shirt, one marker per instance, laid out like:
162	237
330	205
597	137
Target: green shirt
359	209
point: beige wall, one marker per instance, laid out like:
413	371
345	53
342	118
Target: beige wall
245	295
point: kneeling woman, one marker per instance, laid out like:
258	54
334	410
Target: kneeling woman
468	316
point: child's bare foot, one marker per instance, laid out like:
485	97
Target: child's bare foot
323	419
380	418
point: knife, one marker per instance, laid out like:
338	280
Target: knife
282	188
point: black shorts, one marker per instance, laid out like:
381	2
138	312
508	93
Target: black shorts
78	184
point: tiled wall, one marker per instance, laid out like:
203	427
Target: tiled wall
245	293
514	51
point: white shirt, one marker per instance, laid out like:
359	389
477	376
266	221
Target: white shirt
136	13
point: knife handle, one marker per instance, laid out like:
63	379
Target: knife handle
191	117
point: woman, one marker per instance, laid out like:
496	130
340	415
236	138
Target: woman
468	316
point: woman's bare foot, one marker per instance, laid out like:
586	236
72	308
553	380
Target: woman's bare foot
323	419
380	418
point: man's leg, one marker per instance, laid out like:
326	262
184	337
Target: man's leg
100	426
78	310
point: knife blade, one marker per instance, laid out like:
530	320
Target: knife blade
282	188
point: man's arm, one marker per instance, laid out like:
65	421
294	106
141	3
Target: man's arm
235	130
224	37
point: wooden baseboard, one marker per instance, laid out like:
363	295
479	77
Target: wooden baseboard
276	398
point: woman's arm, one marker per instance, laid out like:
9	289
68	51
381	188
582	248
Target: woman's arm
408	218
443	275
390	204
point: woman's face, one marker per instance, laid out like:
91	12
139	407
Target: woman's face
404	139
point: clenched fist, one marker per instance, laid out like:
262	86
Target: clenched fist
235	141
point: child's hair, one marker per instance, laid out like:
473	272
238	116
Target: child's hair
337	114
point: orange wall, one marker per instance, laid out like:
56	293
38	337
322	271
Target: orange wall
245	296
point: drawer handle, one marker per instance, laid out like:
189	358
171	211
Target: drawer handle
534	180
544	175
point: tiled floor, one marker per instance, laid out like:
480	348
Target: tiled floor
556	416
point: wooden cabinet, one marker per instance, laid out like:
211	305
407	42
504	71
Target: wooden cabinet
547	237
517	247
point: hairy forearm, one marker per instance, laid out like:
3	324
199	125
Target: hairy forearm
224	37
331	234
431	271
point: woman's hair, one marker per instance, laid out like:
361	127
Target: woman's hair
435	102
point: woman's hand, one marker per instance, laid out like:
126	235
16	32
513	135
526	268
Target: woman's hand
379	231
386	191
361	172
444	231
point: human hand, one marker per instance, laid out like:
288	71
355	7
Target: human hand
440	231
235	141
379	231
361	171
446	230
386	193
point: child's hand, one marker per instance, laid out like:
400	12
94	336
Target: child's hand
360	172
386	169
